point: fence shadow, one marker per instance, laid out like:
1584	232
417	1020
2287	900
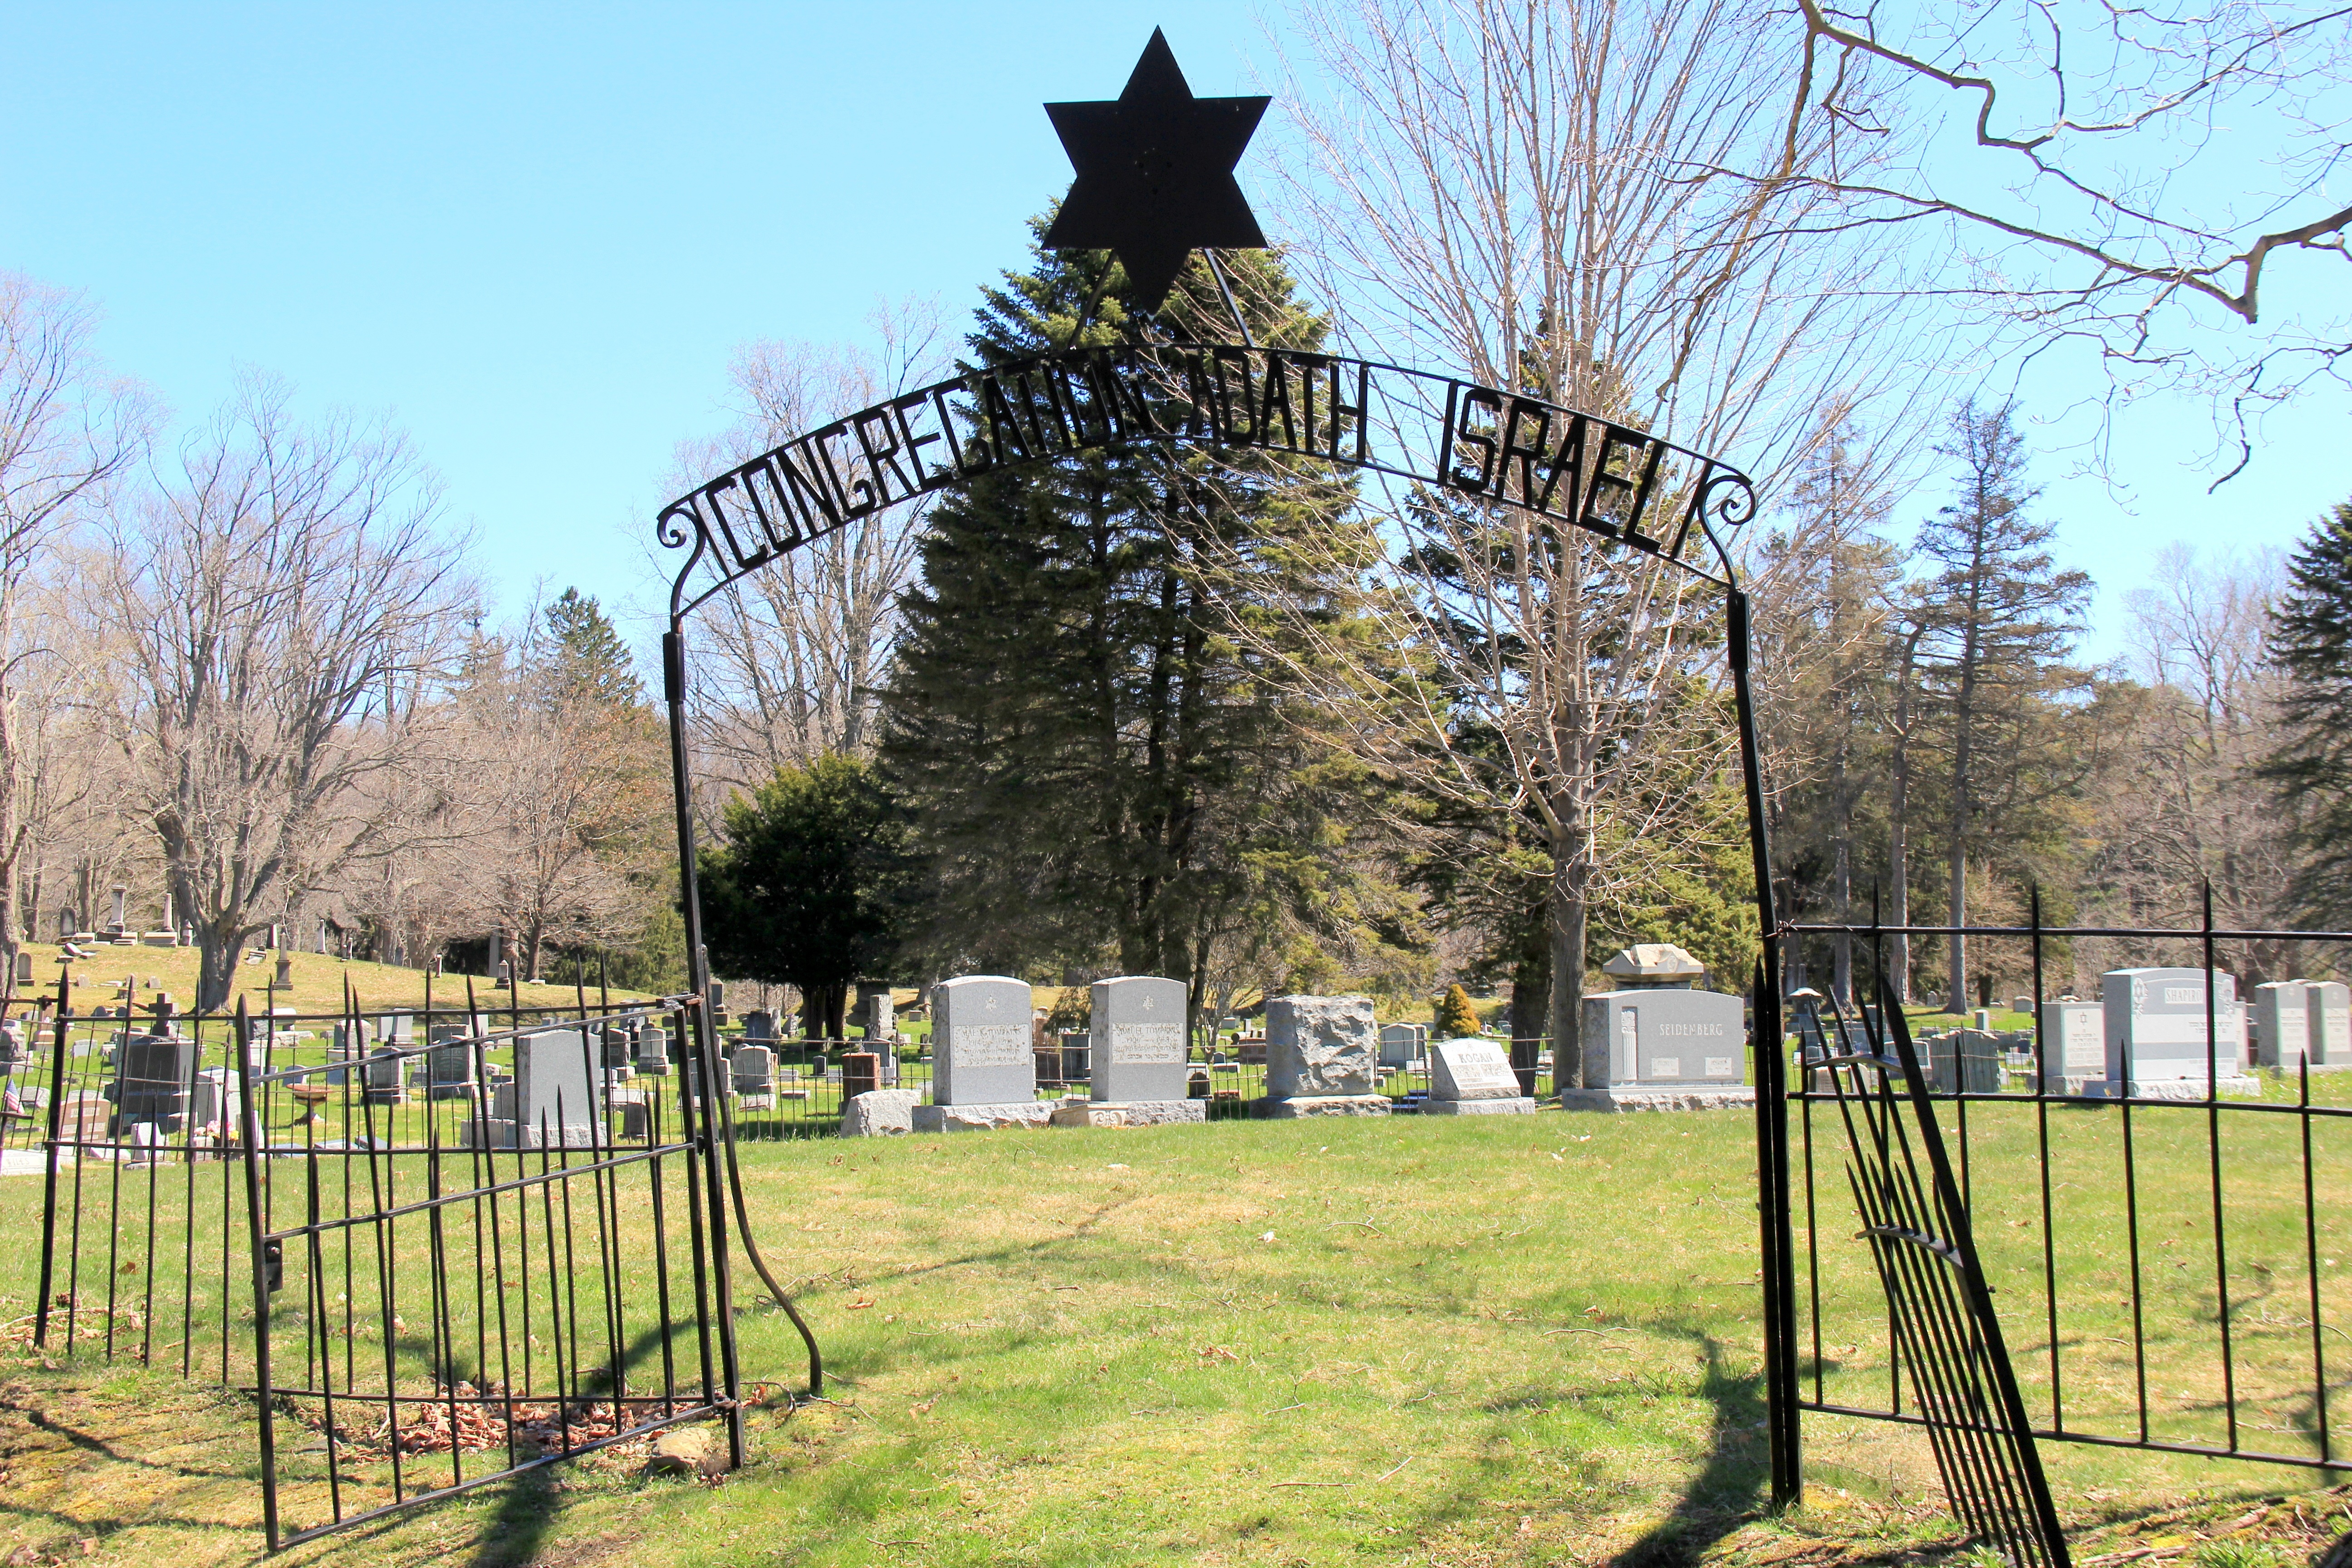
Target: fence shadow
1722	1495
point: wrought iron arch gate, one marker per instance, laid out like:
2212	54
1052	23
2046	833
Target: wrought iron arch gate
1484	444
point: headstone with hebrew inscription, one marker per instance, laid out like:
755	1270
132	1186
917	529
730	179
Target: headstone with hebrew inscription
1136	1045
984	1064
2162	1036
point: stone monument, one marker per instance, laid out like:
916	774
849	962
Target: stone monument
2328	1009
2156	1035
1322	1057
1402	1045
1656	1043
1473	1078
2282	1024
1138	1053
985	1070
550	1104
2074	1046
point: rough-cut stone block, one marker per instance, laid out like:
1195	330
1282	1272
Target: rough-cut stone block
1296	1105
879	1112
1630	1097
1517	1105
1321	1046
981	1118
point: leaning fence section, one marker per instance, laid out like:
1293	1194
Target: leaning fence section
2157	1163
436	1247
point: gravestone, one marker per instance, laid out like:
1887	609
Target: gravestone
984	1072
1662	1048
1653	966
1962	1061
2156	1035
1322	1057
24	968
2281	1024
752	1070
2328	1007
1402	1045
881	1015
861	1073
449	1064
382	1084
551	1103
1136	1042
152	1079
1473	1078
759	1024
653	1051
395	1029
2074	1046
616	1047
213	1101
285	971
115	926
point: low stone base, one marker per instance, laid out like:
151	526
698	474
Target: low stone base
1512	1105
2185	1089
1323	1105
879	1114
1129	1112
496	1132
1659	1097
981	1118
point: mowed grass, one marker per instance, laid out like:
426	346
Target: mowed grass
1408	1341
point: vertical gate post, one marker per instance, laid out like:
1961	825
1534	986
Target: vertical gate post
1778	1246
704	1130
257	1224
57	1109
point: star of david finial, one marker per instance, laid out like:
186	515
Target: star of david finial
1155	174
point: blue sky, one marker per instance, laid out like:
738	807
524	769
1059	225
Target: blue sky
533	235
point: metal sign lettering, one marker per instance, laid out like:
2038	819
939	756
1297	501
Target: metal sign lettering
1473	441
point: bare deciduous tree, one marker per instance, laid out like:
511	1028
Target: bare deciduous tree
2092	175
281	604
66	432
788	659
1536	191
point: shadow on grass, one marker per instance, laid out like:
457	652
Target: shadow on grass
1722	1496
514	1535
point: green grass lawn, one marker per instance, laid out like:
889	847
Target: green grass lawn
1450	1341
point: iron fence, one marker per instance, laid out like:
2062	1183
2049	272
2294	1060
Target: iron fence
2171	1255
436	1246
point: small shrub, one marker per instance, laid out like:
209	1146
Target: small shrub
1455	1016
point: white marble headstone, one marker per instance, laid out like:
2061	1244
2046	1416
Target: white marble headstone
981	1048
2156	1018
1137	1048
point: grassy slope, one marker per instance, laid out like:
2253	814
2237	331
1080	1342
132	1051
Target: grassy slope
317	981
1464	1342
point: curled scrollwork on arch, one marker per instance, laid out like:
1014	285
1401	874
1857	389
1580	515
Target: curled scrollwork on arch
1476	442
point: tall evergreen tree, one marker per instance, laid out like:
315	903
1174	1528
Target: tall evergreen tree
2311	764
585	660
2000	620
1095	769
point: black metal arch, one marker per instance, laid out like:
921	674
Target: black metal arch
1570	467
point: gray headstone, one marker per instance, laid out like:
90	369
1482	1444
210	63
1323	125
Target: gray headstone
2155	1019
395	1029
1470	1070
551	1085
2282	1022
981	1042
1320	1045
881	1016
152	1080
2074	1044
754	1069
653	1050
759	1024
382	1084
2327	1005
1402	1045
1663	1036
1135	1044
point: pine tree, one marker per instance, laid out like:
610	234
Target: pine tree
2000	620
2311	767
1456	1018
1095	771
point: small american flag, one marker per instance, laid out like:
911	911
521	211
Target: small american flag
10	1104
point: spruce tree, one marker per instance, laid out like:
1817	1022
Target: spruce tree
2311	767
1096	773
585	660
2000	621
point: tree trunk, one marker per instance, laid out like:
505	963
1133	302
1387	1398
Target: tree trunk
216	945
11	848
1957	999
1570	882
1841	891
